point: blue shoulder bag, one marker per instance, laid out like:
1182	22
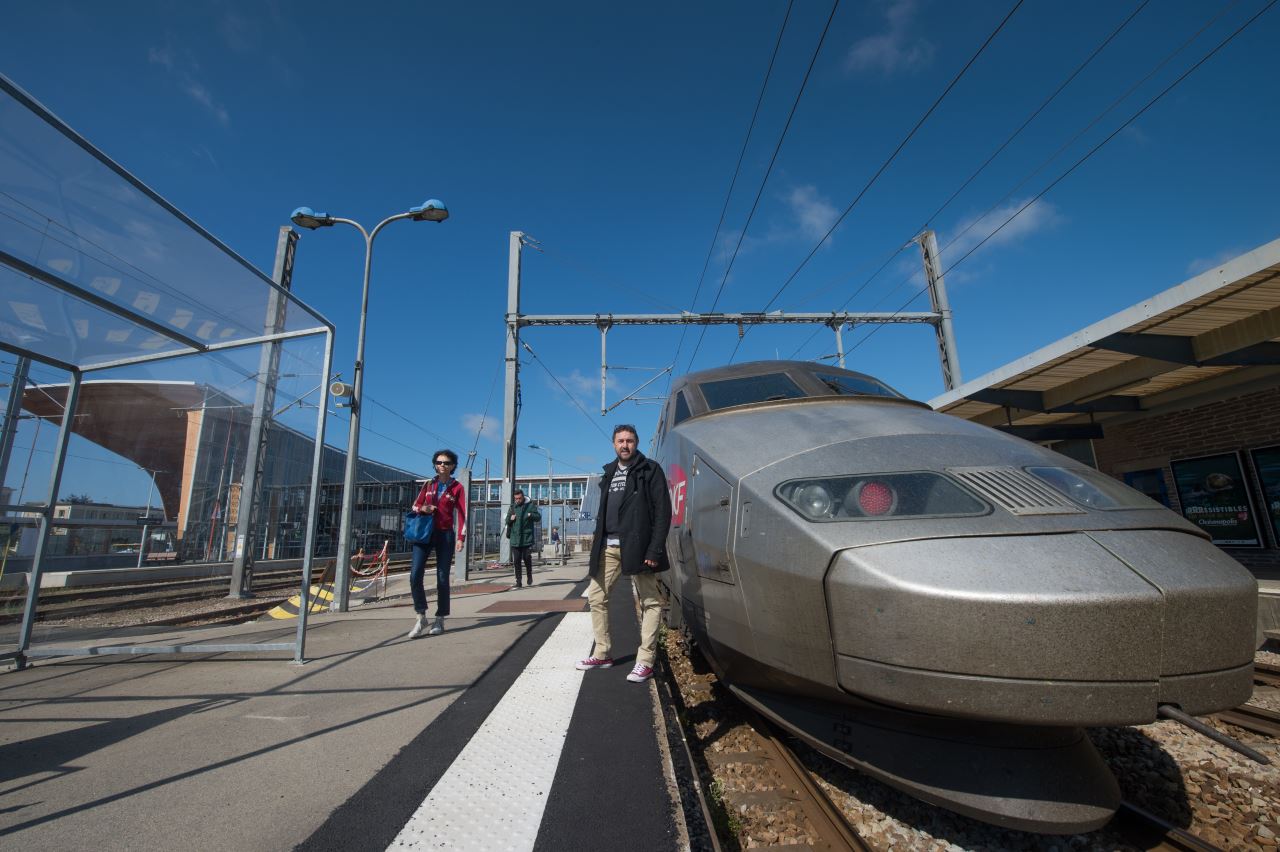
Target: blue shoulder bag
418	528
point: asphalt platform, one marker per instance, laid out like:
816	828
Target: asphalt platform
484	737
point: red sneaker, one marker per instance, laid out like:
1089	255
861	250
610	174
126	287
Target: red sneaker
594	663
640	673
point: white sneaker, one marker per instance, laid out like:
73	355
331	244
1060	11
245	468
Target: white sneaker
437	627
416	630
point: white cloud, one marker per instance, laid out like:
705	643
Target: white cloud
240	33
182	69
815	213
491	430
895	49
1204	264
199	93
1039	216
588	386
161	56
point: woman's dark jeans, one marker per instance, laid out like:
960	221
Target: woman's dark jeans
442	543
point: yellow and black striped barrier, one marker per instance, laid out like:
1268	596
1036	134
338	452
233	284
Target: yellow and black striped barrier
320	599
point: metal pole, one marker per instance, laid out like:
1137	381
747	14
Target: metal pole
511	385
604	367
948	354
142	545
840	343
551	508
259	426
12	411
46	515
313	506
484	518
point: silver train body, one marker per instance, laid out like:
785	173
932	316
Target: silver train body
936	602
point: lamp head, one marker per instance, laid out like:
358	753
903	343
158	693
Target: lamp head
305	217
432	210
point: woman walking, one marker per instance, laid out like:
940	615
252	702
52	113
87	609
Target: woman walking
444	498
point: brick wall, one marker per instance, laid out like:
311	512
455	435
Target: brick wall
1237	424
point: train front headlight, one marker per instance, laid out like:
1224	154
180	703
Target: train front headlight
880	496
814	500
1093	489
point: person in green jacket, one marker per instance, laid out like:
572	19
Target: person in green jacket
520	520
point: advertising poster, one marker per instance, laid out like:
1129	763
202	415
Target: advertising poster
1150	483
1266	462
1215	498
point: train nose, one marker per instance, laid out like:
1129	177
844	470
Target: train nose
1079	629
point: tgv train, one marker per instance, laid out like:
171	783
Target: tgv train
937	603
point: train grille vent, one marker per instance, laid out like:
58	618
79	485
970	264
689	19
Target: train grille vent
1015	490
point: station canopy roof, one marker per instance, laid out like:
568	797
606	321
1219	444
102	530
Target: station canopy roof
1215	335
97	270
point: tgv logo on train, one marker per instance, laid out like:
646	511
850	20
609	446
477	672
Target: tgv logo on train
676	485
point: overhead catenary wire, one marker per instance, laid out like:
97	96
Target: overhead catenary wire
889	161
733	182
1083	159
967	181
764	180
572	398
480	429
883	167
1083	130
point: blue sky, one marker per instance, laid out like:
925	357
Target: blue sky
610	135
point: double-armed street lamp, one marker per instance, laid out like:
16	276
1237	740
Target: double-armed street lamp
432	210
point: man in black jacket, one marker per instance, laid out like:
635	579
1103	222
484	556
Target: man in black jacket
630	538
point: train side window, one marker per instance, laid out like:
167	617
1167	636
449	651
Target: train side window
682	409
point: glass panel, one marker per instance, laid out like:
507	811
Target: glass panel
69	214
856	385
747	389
682	408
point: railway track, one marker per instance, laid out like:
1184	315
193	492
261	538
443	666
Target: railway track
1147	831
780	785
1266	674
784	788
269	587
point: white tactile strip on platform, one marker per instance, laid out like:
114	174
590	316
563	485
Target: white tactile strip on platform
493	795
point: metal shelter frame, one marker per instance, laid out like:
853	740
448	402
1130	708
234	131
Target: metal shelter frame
70	294
939	318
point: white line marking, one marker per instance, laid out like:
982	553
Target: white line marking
493	795
279	718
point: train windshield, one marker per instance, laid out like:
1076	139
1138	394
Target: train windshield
847	385
727	393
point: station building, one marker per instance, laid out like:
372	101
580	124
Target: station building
195	439
1178	396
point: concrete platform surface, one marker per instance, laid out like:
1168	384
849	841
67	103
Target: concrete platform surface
251	751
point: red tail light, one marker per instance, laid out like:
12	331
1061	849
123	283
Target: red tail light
876	498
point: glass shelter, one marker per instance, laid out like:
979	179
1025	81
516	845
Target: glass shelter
100	277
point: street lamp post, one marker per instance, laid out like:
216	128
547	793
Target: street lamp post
432	210
142	545
550	507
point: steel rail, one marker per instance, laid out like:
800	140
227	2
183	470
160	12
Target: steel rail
1147	831
833	829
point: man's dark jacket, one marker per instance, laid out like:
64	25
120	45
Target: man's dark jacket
644	516
520	531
